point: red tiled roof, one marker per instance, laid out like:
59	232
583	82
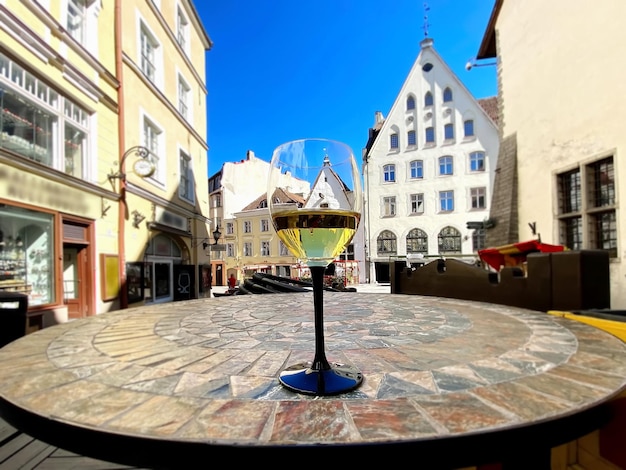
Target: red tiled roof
280	194
490	105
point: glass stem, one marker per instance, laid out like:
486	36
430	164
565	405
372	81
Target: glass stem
317	275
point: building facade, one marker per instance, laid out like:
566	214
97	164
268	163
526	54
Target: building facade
59	120
428	169
74	108
232	188
561	116
238	203
163	217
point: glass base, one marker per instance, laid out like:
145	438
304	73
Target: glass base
338	379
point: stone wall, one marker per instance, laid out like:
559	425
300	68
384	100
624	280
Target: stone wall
504	198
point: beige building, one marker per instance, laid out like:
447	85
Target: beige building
560	91
80	232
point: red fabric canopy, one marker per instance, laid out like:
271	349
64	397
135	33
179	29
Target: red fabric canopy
501	255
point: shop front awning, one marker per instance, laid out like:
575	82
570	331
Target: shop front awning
515	253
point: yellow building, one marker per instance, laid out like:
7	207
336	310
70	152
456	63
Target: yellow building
58	122
73	213
163	218
252	245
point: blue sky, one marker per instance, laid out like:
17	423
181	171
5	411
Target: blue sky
288	69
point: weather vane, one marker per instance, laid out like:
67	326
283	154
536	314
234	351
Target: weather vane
426	25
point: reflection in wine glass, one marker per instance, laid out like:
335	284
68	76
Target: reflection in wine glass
314	194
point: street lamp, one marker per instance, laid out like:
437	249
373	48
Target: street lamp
217	234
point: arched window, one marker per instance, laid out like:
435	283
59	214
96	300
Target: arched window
394	142
162	245
417	241
447	95
430	135
410	103
428	99
449	240
411	138
386	243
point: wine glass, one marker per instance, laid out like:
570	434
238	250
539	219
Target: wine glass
314	197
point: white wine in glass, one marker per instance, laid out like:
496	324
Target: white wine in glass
314	196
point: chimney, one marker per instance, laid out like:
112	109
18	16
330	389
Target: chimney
249	155
378	120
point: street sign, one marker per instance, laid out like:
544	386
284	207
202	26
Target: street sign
218	247
475	225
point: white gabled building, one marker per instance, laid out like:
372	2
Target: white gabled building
428	169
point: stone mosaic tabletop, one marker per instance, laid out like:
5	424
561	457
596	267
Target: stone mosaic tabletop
204	372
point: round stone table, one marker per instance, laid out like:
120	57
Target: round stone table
455	383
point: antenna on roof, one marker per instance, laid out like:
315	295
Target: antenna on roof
426	25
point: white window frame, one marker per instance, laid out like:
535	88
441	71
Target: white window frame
247	248
76	20
282	249
153	139
448	197
389	173
475	158
230	250
150	54
186	186
447	163
247	226
265	225
184	93
265	248
388	208
478	198
66	116
416	202
414	167
230	228
182	29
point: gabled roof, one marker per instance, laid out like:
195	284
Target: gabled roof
489	108
283	197
329	190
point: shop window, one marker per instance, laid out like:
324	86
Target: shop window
449	241
386	243
417	241
34	119
26	253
